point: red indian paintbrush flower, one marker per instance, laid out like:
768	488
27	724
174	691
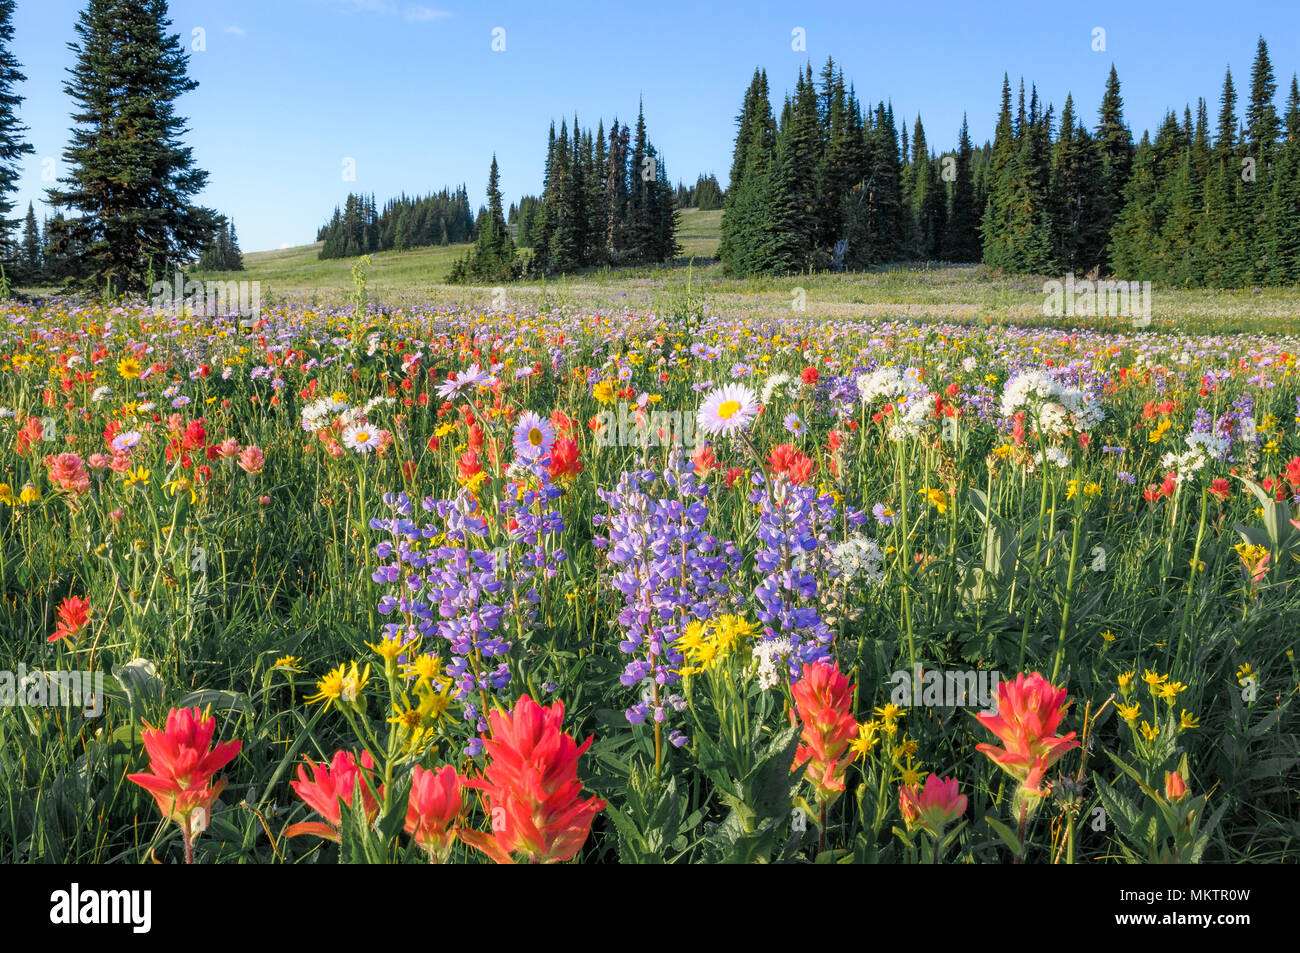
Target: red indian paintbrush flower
434	805
182	767
74	616
532	787
823	699
328	784
933	807
1029	710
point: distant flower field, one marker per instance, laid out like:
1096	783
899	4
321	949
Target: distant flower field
468	587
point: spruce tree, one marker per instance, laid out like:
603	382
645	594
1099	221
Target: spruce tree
961	237
1115	146
12	145
1284	210
131	182
32	268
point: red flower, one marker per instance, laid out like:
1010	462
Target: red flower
733	474
704	460
1169	485
1029	710
532	787
823	699
467	466
182	767
564	459
1219	489
74	616
809	375
327	785
796	465
431	812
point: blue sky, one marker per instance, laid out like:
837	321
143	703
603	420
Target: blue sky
415	94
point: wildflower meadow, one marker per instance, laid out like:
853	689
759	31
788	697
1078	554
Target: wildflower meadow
422	585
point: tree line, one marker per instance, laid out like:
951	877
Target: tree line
441	218
832	184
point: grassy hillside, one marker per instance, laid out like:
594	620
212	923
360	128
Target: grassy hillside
940	292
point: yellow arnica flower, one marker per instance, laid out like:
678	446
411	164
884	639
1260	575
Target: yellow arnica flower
868	735
1149	733
287	661
1152	679
1188	720
138	475
1125	679
604	392
912	774
128	368
1244	673
1129	712
1108	636
1162	428
936	498
426	667
343	683
29	494
388	649
1169	691
7	495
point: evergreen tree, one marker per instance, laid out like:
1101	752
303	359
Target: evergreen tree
1284	212
1075	195
492	258
1115	146
1260	145
961	237
12	145
32	265
742	223
131	182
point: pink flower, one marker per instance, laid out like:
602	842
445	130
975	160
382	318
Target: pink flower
98	461
431	812
251	459
932	808
228	447
68	472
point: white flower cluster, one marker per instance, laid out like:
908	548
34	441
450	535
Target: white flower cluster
1055	455
317	414
768	655
1057	410
912	401
859	556
777	383
1203	448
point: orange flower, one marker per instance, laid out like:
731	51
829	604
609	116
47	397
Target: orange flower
182	766
327	785
823	699
532	787
1029	710
1175	787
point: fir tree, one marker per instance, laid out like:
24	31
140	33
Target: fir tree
12	145
961	237
131	183
32	265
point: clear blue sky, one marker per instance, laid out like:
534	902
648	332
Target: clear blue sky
414	92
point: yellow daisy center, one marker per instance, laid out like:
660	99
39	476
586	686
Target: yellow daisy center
727	409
